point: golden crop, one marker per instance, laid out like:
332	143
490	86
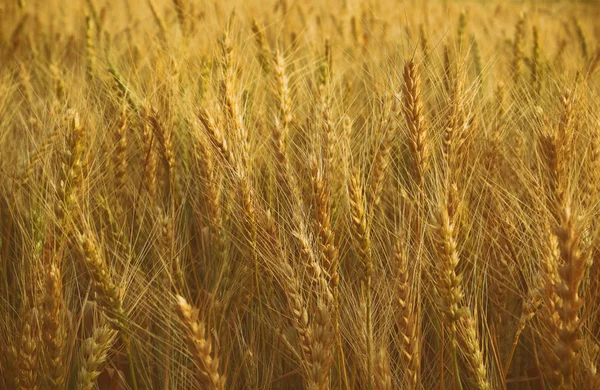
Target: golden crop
277	194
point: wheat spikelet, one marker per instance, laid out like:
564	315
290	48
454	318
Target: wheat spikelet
284	99
149	175
329	254
582	40
285	177
181	16
93	356
362	243
217	138
549	148
71	174
571	273
547	317
528	310
59	84
535	61
460	34
120	156
593	64
477	61
590	355
383	375
164	136
211	192
315	331
592	170
564	140
328	61
472	351
425	45
17	34
494	153
355	29
9	372
108	294
381	158
206	359
54	332
328	250
25	83
359	228
417	129
263	49
29	352
90	47
448	281
231	102
327	135
452	129
518	53
447	68
124	91
297	306
456	316
407	325
321	344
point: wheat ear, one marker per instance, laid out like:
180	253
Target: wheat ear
206	359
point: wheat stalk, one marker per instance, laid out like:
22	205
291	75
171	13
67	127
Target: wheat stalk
362	243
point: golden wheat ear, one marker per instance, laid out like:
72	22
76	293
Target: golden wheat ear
54	332
93	356
417	129
205	358
571	271
361	235
29	352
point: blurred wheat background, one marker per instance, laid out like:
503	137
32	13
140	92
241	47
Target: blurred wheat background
279	194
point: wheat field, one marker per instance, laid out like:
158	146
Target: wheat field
277	194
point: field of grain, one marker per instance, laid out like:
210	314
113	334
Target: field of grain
277	194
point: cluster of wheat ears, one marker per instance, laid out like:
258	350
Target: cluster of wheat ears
299	195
